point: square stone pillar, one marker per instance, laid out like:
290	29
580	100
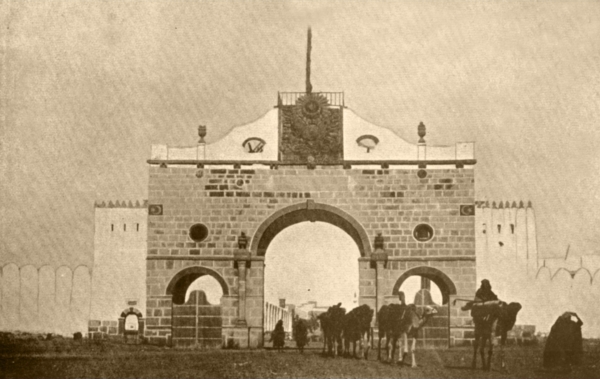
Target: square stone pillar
380	258
241	257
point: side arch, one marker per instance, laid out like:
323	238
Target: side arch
309	211
182	280
140	322
128	311
442	280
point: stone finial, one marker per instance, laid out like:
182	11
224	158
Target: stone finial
421	131
201	133
379	242
514	204
242	241
493	205
506	204
500	205
529	205
521	205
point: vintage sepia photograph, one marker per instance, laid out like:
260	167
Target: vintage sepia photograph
299	189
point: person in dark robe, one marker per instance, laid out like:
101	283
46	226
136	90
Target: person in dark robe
485	293
278	336
301	334
564	346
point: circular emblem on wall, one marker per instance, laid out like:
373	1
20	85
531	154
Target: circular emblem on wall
199	174
422	174
423	232
311	105
198	232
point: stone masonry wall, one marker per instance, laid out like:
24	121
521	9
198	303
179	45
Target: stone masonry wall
230	201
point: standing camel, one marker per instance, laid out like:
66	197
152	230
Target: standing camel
357	329
492	319
397	321
331	325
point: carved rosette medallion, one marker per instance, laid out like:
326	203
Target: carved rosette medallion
310	128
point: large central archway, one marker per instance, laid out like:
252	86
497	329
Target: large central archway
307	306
309	211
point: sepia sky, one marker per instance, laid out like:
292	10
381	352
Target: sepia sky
86	88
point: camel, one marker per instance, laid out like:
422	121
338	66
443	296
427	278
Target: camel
331	325
357	328
397	321
492	319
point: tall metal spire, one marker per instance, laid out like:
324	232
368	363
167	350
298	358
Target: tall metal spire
308	48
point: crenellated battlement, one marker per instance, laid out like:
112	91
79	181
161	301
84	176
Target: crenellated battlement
121	204
502	205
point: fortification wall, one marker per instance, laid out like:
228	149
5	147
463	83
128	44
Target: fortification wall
507	255
45	299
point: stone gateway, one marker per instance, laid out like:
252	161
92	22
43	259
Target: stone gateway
216	207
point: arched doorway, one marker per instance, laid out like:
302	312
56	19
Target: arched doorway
195	321
340	231
428	286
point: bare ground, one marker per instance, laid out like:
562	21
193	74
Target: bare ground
64	358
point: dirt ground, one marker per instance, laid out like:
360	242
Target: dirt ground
65	358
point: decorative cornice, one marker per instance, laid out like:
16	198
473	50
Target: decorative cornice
424	259
200	258
468	162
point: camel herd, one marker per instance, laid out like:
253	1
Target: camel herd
400	322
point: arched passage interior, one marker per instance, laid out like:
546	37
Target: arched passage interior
195	322
441	280
307	225
180	284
